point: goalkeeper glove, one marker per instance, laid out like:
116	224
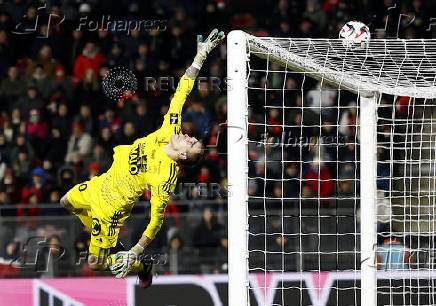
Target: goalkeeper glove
205	47
126	260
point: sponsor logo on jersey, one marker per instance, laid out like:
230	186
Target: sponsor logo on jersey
96	227
174	118
137	162
114	222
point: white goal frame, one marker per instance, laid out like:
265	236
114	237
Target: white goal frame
237	58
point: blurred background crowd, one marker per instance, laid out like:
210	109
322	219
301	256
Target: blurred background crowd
58	128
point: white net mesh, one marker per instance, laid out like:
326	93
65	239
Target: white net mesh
406	207
303	179
395	67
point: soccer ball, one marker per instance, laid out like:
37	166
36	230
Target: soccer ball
354	34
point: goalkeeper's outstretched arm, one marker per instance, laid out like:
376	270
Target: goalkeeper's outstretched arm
187	81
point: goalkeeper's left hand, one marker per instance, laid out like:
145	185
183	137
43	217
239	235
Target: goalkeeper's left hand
206	46
127	258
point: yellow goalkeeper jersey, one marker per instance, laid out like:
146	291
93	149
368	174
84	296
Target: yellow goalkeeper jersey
144	165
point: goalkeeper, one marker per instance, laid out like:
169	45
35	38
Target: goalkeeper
150	163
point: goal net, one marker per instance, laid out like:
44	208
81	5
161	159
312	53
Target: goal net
331	171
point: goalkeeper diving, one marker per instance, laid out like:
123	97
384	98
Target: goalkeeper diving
151	163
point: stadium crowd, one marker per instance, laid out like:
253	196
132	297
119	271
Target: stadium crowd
58	128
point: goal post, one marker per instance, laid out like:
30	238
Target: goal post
368	196
297	202
237	168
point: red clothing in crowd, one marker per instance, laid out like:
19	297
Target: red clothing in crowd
83	63
324	180
39	130
274	127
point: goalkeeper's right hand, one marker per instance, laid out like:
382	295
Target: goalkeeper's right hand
205	47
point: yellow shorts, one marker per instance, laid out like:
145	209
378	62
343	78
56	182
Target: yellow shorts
106	219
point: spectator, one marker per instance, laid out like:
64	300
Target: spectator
21	144
30	101
45	62
205	175
188	127
16	9
206	238
6	55
35	127
11	253
55	209
142	56
76	43
141	121
91	58
67	177
129	134
62	83
101	158
88	89
5	203
291	184
55	148
13	126
93	170
306	29
62	122
274	128
110	120
6	21
182	20
393	255
177	46
81	245
17	124
42	82
116	57
4	156
349	121
29	208
21	166
104	40
178	256
79	166
37	184
420	19
48	168
319	179
11	186
200	117
79	142
85	118
53	259
107	141
11	88
316	14
321	98
131	42
277	243
206	95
